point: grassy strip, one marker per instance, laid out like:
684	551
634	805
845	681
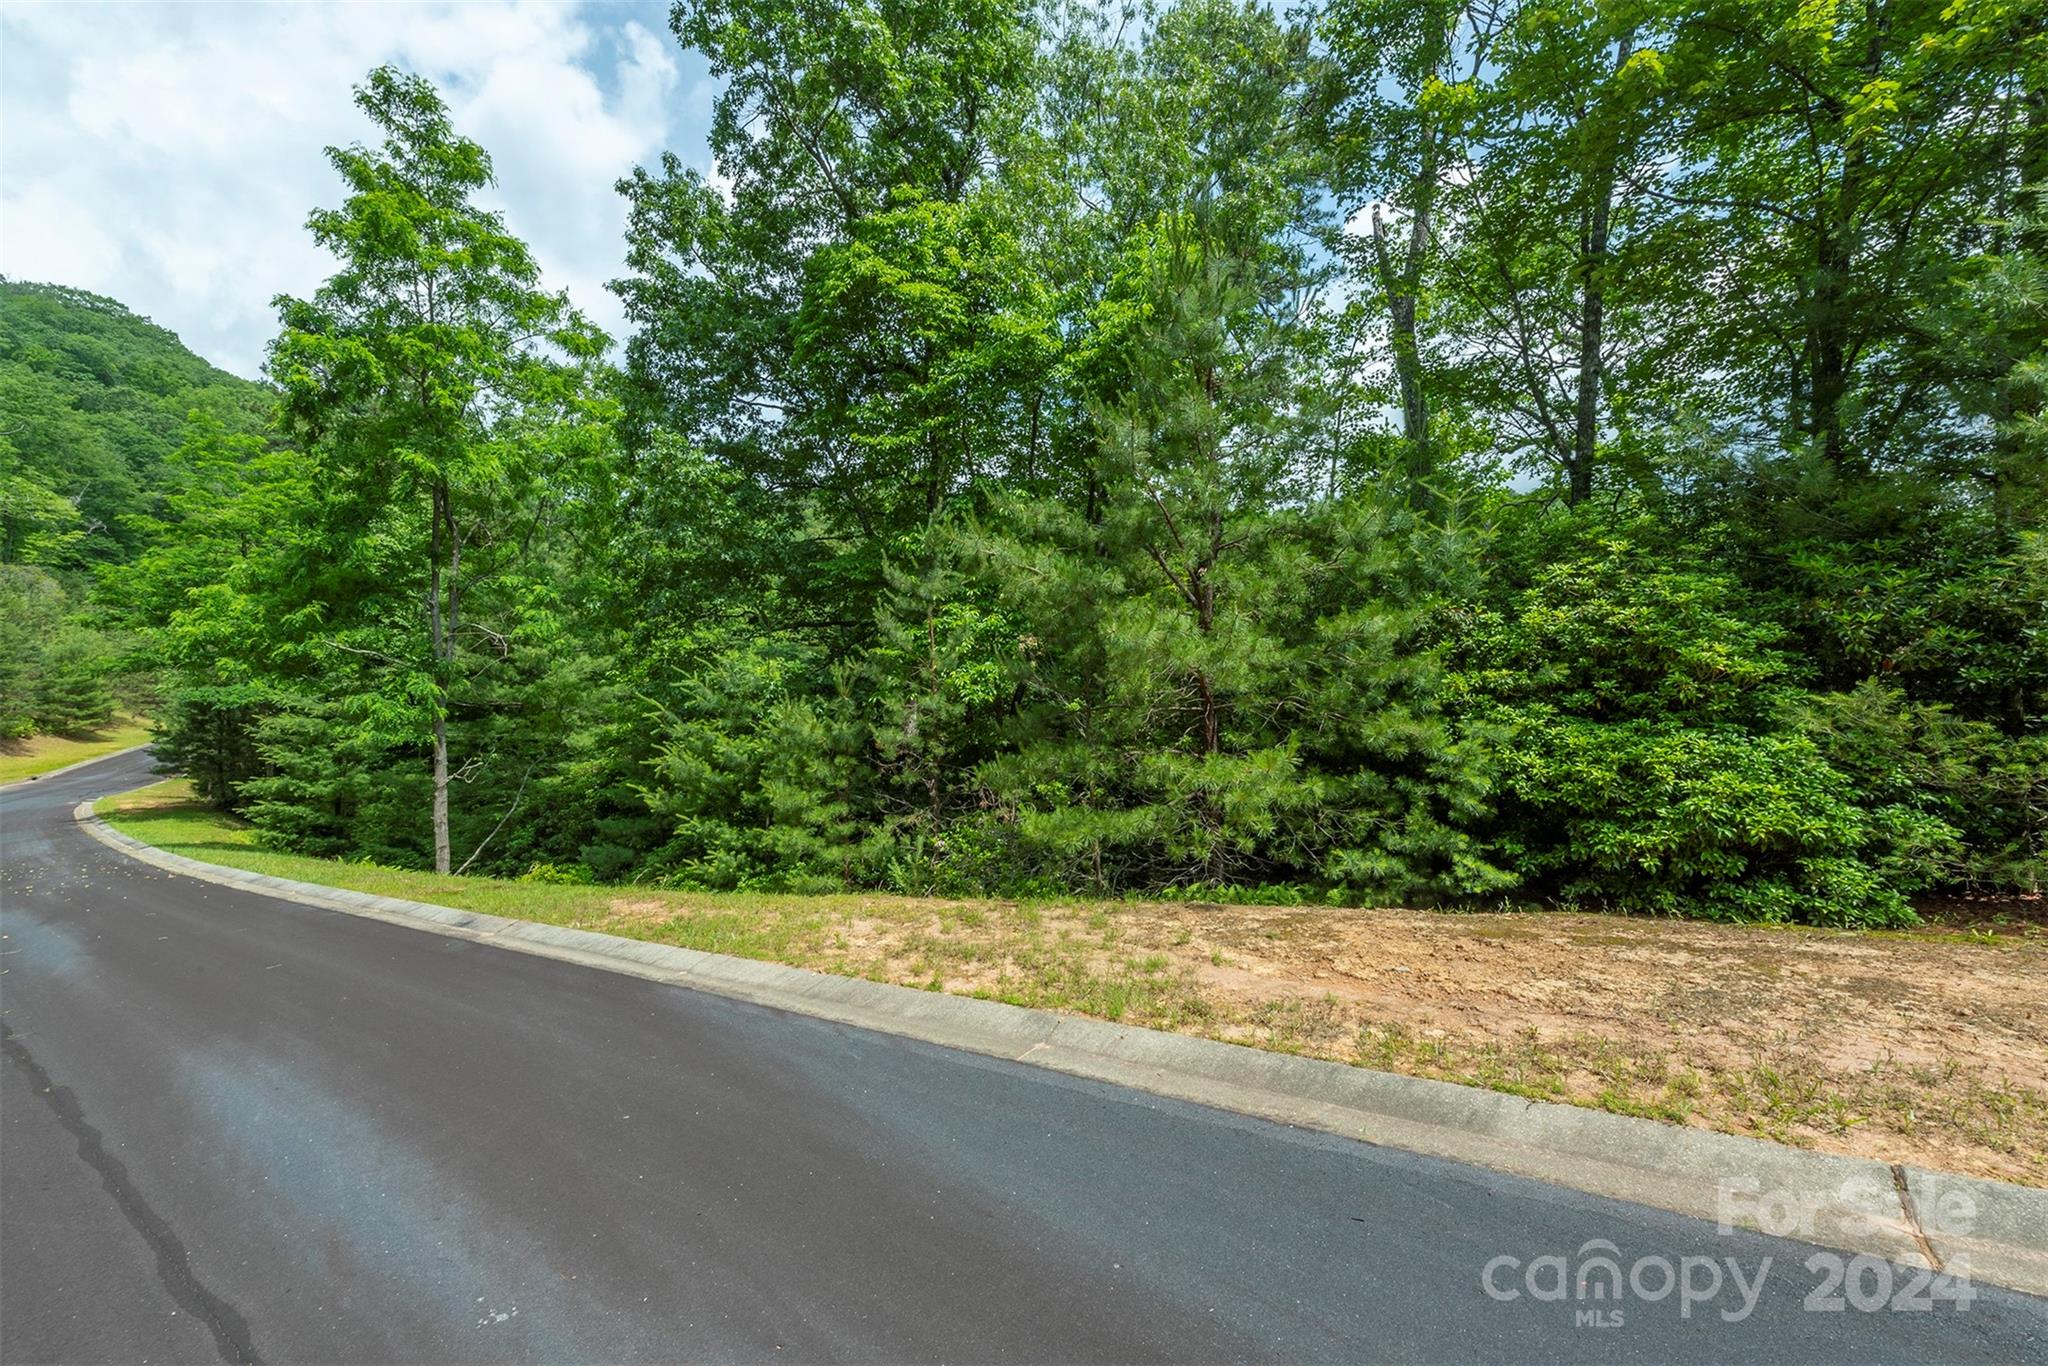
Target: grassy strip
1201	971
44	753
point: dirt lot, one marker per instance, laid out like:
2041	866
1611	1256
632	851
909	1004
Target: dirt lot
1928	1047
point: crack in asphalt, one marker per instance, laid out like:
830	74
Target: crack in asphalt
230	1330
1913	1216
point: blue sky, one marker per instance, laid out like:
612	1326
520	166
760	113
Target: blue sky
168	154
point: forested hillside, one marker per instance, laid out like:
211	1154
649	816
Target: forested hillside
1580	453
94	402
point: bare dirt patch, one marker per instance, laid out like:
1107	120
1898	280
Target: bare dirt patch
1928	1047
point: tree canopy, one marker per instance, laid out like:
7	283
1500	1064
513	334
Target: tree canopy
1584	453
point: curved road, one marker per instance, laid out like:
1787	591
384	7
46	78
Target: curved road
239	1129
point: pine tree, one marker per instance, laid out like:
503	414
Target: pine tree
72	696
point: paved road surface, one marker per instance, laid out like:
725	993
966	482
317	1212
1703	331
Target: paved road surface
240	1129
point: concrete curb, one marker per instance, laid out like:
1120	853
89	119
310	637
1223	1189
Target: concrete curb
1986	1231
56	772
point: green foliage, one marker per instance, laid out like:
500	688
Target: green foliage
943	667
1636	816
1923	761
207	733
1217	686
449	406
1074	447
31	603
54	670
71	695
755	771
1647	763
307	795
93	400
851	326
1617	633
555	875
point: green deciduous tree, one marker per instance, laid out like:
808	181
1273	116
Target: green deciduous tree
1838	154
844	317
447	403
1394	100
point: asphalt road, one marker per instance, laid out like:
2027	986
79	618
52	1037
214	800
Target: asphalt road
239	1129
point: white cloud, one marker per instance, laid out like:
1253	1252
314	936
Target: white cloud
167	155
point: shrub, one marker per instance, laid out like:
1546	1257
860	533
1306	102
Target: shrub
557	875
754	770
1921	759
1642	816
1648	762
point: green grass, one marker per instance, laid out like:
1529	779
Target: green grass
166	815
45	753
1053	955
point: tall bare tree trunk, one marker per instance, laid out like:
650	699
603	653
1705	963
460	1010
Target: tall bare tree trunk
1593	306
440	632
1828	345
441	856
1402	286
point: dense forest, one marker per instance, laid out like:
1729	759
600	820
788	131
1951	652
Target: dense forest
94	402
1584	452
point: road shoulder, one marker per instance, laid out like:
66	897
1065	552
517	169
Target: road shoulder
1991	1231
